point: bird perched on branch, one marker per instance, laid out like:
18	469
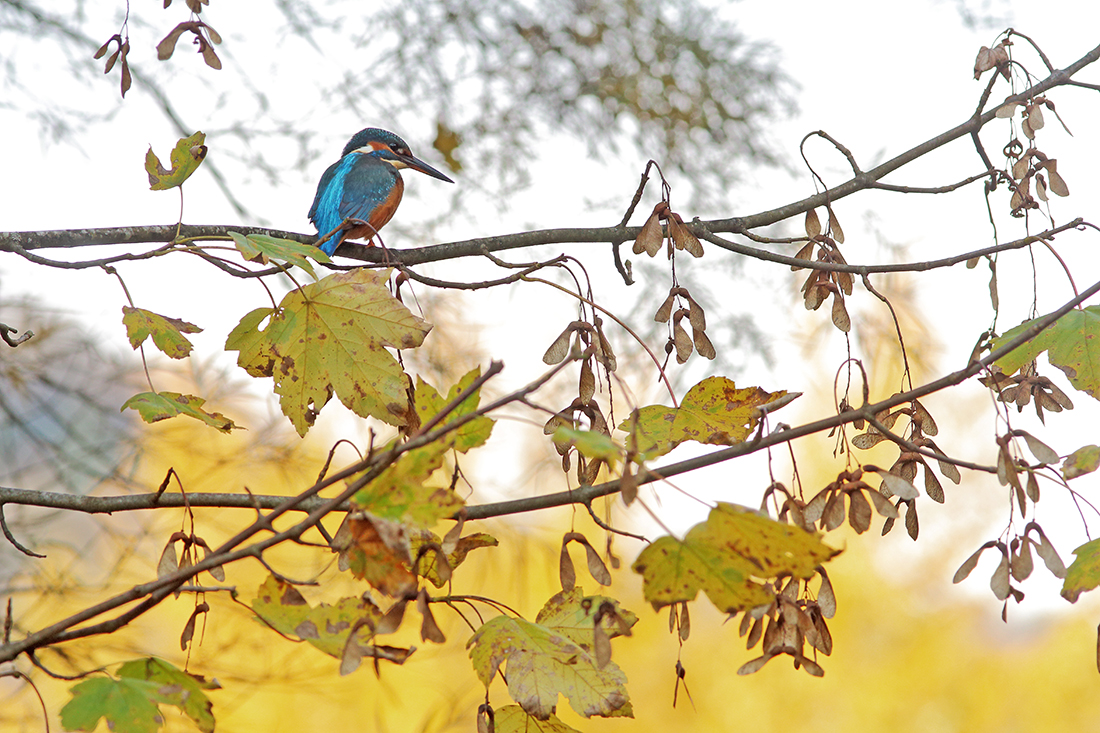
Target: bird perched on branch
364	187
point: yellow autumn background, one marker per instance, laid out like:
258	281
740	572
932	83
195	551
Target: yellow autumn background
911	651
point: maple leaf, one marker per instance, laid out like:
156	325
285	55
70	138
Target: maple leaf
167	333
1072	344
131	702
1081	461
331	337
726	557
380	553
186	158
1083	574
513	719
324	626
714	411
573	614
402	491
263	248
543	664
429	403
156	406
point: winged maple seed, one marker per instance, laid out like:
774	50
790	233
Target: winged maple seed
1026	386
793	620
678	339
679	235
993	58
823	283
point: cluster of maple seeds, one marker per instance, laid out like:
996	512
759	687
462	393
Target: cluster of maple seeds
679	236
823	283
1016	564
585	341
793	621
1025	387
696	318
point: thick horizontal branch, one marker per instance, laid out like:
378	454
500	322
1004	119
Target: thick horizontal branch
25	242
581	495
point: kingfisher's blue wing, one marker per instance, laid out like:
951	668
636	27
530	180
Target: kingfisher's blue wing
354	187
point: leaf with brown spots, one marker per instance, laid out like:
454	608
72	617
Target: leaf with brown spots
332	337
324	626
543	664
728	557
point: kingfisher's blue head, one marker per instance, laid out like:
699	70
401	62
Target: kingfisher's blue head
386	146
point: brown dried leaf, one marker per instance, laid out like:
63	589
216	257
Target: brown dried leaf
984	61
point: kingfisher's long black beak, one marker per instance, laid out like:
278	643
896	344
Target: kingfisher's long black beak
418	165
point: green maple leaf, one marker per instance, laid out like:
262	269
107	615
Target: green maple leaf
1081	461
1083	574
175	687
331	337
155	406
186	158
264	248
513	719
543	664
714	411
403	493
128	705
429	403
727	557
167	333
324	626
1072	344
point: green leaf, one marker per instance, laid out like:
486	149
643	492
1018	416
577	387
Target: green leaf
186	158
324	626
155	406
727	557
403	493
1081	461
264	248
128	705
1084	572
591	444
543	664
429	403
512	719
714	411
167	333
176	688
331	337
1072	344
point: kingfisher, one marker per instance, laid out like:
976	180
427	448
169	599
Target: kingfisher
364	185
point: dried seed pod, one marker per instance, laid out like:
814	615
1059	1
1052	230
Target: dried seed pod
650	238
683	237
